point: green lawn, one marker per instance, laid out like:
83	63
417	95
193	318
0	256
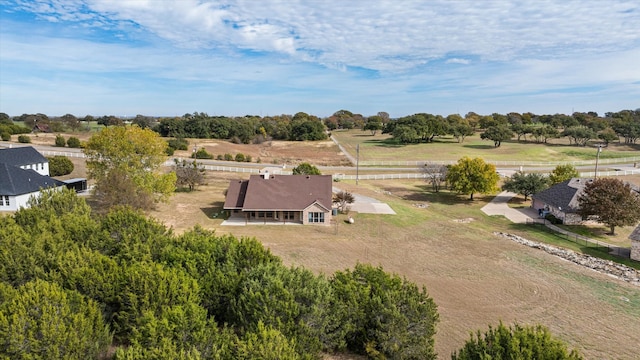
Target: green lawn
381	148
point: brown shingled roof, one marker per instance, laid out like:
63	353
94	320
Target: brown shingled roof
280	192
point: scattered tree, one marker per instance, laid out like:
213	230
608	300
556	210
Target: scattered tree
374	124
612	201
497	134
60	141
60	165
133	156
436	175
563	173
517	342
25	139
471	176
188	174
343	199
73	142
306	169
525	184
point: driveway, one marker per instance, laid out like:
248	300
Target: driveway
368	205
499	206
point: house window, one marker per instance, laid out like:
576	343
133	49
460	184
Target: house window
316	217
289	215
6	200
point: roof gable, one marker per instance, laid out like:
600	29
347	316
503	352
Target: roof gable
564	195
283	192
17	181
20	156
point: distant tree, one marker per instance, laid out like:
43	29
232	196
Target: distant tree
110	121
143	121
60	141
306	169
612	201
60	165
343	199
71	122
44	321
563	173
497	134
436	175
5	119
579	135
517	342
470	176
202	153
25	139
240	157
607	135
522	130
461	131
544	133
133	156
73	142
188	174
373	124
526	184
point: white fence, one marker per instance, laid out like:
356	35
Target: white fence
62	153
503	163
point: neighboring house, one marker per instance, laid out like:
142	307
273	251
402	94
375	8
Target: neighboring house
561	200
635	244
17	185
43	128
302	199
26	158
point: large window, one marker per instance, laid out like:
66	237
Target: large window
316	217
6	200
289	215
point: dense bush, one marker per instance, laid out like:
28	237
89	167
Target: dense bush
60	141
5	136
60	166
178	144
228	157
517	342
73	142
240	157
202	154
25	139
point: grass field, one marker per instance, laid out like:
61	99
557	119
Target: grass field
475	277
380	148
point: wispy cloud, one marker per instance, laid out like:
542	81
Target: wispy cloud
328	54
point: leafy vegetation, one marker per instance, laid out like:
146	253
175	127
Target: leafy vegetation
470	176
612	201
306	169
60	165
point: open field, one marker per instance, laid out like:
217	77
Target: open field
475	277
447	148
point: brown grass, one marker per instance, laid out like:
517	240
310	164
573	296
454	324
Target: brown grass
475	277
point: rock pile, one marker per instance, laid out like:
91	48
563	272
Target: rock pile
607	267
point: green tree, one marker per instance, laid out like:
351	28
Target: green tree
517	342
373	124
607	135
44	321
25	139
73	142
266	343
60	165
563	173
497	134
470	176
579	135
306	169
385	316
188	174
612	201
134	154
525	184
60	141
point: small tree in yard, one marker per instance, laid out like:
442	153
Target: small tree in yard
60	165
563	173
525	184
306	169
60	141
612	201
470	176
343	199
188	174
436	175
517	342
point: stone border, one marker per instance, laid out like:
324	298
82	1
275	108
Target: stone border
606	267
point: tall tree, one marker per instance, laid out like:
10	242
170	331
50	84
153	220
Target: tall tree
135	155
188	174
436	175
374	124
563	173
497	134
517	342
612	201
526	184
470	176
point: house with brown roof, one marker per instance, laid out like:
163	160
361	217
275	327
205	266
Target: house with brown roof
561	200
268	198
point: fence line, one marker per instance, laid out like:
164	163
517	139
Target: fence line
62	153
502	163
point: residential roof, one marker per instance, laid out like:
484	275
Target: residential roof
280	192
17	181
20	156
564	195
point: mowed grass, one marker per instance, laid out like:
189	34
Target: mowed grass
444	242
381	148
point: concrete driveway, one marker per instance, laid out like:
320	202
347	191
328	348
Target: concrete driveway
499	206
368	205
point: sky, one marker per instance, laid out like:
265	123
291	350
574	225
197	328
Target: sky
272	57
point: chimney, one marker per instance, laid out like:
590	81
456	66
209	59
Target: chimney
265	175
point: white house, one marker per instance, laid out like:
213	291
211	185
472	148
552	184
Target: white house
21	178
26	158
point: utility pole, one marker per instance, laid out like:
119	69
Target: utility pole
357	161
595	176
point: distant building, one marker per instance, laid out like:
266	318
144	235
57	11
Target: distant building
302	199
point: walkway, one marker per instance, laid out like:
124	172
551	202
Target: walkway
499	206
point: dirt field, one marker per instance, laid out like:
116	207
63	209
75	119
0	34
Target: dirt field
475	277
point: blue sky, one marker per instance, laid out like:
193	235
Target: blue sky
271	57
